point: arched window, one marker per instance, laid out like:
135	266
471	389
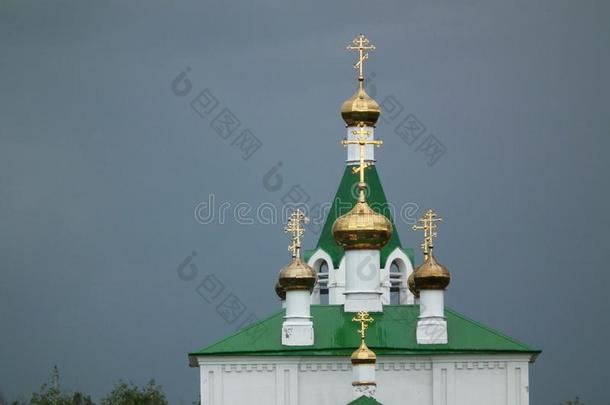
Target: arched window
395	280
394	267
321	267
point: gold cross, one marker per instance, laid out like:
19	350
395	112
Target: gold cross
361	139
294	227
364	318
429	226
361	44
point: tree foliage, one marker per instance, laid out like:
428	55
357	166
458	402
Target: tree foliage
50	393
123	393
128	394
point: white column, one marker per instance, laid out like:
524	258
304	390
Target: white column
443	382
362	289
297	329
336	284
353	151
432	326
364	380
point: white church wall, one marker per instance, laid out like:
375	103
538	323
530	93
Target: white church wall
336	294
336	278
404	380
406	268
325	381
437	380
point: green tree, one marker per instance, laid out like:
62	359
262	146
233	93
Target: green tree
575	401
50	393
128	394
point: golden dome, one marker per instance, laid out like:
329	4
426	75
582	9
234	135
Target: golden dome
360	108
412	286
363	355
297	276
362	228
279	290
431	275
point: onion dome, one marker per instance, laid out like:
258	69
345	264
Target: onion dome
363	355
360	109
297	276
411	284
279	290
431	275
362	228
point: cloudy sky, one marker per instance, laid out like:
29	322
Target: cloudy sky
102	163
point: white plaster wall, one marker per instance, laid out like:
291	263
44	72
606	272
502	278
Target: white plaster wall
441	380
336	278
353	151
406	268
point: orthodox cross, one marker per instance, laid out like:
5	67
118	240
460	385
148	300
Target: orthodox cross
364	319
361	44
294	227
361	139
428	225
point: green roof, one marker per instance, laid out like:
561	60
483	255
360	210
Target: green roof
364	400
345	199
392	333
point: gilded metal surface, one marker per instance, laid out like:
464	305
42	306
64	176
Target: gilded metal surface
361	44
362	228
431	275
297	275
428	225
360	108
361	139
294	227
280	291
411	284
363	355
358	383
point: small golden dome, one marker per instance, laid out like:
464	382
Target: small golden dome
360	108
412	286
362	228
363	355
297	276
431	275
279	290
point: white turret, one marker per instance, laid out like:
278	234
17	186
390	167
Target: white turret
362	232
296	281
430	280
363	362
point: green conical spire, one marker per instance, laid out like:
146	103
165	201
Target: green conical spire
344	201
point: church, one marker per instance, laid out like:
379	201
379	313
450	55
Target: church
359	322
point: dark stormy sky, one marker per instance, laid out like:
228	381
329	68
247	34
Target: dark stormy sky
102	166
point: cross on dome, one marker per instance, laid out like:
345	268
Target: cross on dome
364	319
294	227
428	225
361	139
361	44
